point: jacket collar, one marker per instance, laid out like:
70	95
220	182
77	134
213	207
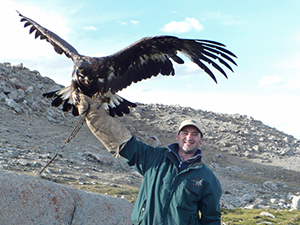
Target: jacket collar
195	160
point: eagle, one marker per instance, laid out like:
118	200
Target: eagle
102	77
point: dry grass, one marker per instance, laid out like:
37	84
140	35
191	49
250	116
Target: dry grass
250	217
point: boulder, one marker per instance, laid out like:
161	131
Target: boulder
296	203
29	200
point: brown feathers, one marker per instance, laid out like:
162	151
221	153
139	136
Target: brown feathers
150	56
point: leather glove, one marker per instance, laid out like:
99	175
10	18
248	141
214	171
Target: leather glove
108	130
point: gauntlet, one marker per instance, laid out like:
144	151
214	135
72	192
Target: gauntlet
108	130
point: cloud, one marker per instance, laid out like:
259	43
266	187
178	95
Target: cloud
90	28
183	26
223	18
288	73
122	23
270	80
293	82
296	37
25	46
134	22
34	53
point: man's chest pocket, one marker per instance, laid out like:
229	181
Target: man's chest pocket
193	188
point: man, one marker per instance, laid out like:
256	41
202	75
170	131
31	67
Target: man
177	187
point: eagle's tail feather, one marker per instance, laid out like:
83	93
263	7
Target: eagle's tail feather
116	105
67	106
49	94
62	97
75	111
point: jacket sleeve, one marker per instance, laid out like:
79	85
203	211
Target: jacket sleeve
209	206
140	156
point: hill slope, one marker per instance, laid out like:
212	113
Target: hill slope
247	156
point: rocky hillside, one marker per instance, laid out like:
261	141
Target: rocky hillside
258	166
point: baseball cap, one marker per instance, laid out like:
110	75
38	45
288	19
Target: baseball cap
192	123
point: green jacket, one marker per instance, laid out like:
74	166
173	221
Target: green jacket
168	196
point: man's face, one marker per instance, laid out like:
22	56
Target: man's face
189	139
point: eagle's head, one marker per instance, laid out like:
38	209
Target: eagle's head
83	64
84	71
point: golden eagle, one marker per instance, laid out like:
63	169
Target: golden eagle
103	77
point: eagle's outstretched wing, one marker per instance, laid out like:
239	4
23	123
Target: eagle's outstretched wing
104	76
151	56
59	44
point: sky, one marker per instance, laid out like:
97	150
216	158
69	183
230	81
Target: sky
264	34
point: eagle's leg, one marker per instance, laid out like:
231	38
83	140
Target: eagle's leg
101	99
75	97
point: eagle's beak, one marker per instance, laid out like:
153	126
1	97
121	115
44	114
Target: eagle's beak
79	71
